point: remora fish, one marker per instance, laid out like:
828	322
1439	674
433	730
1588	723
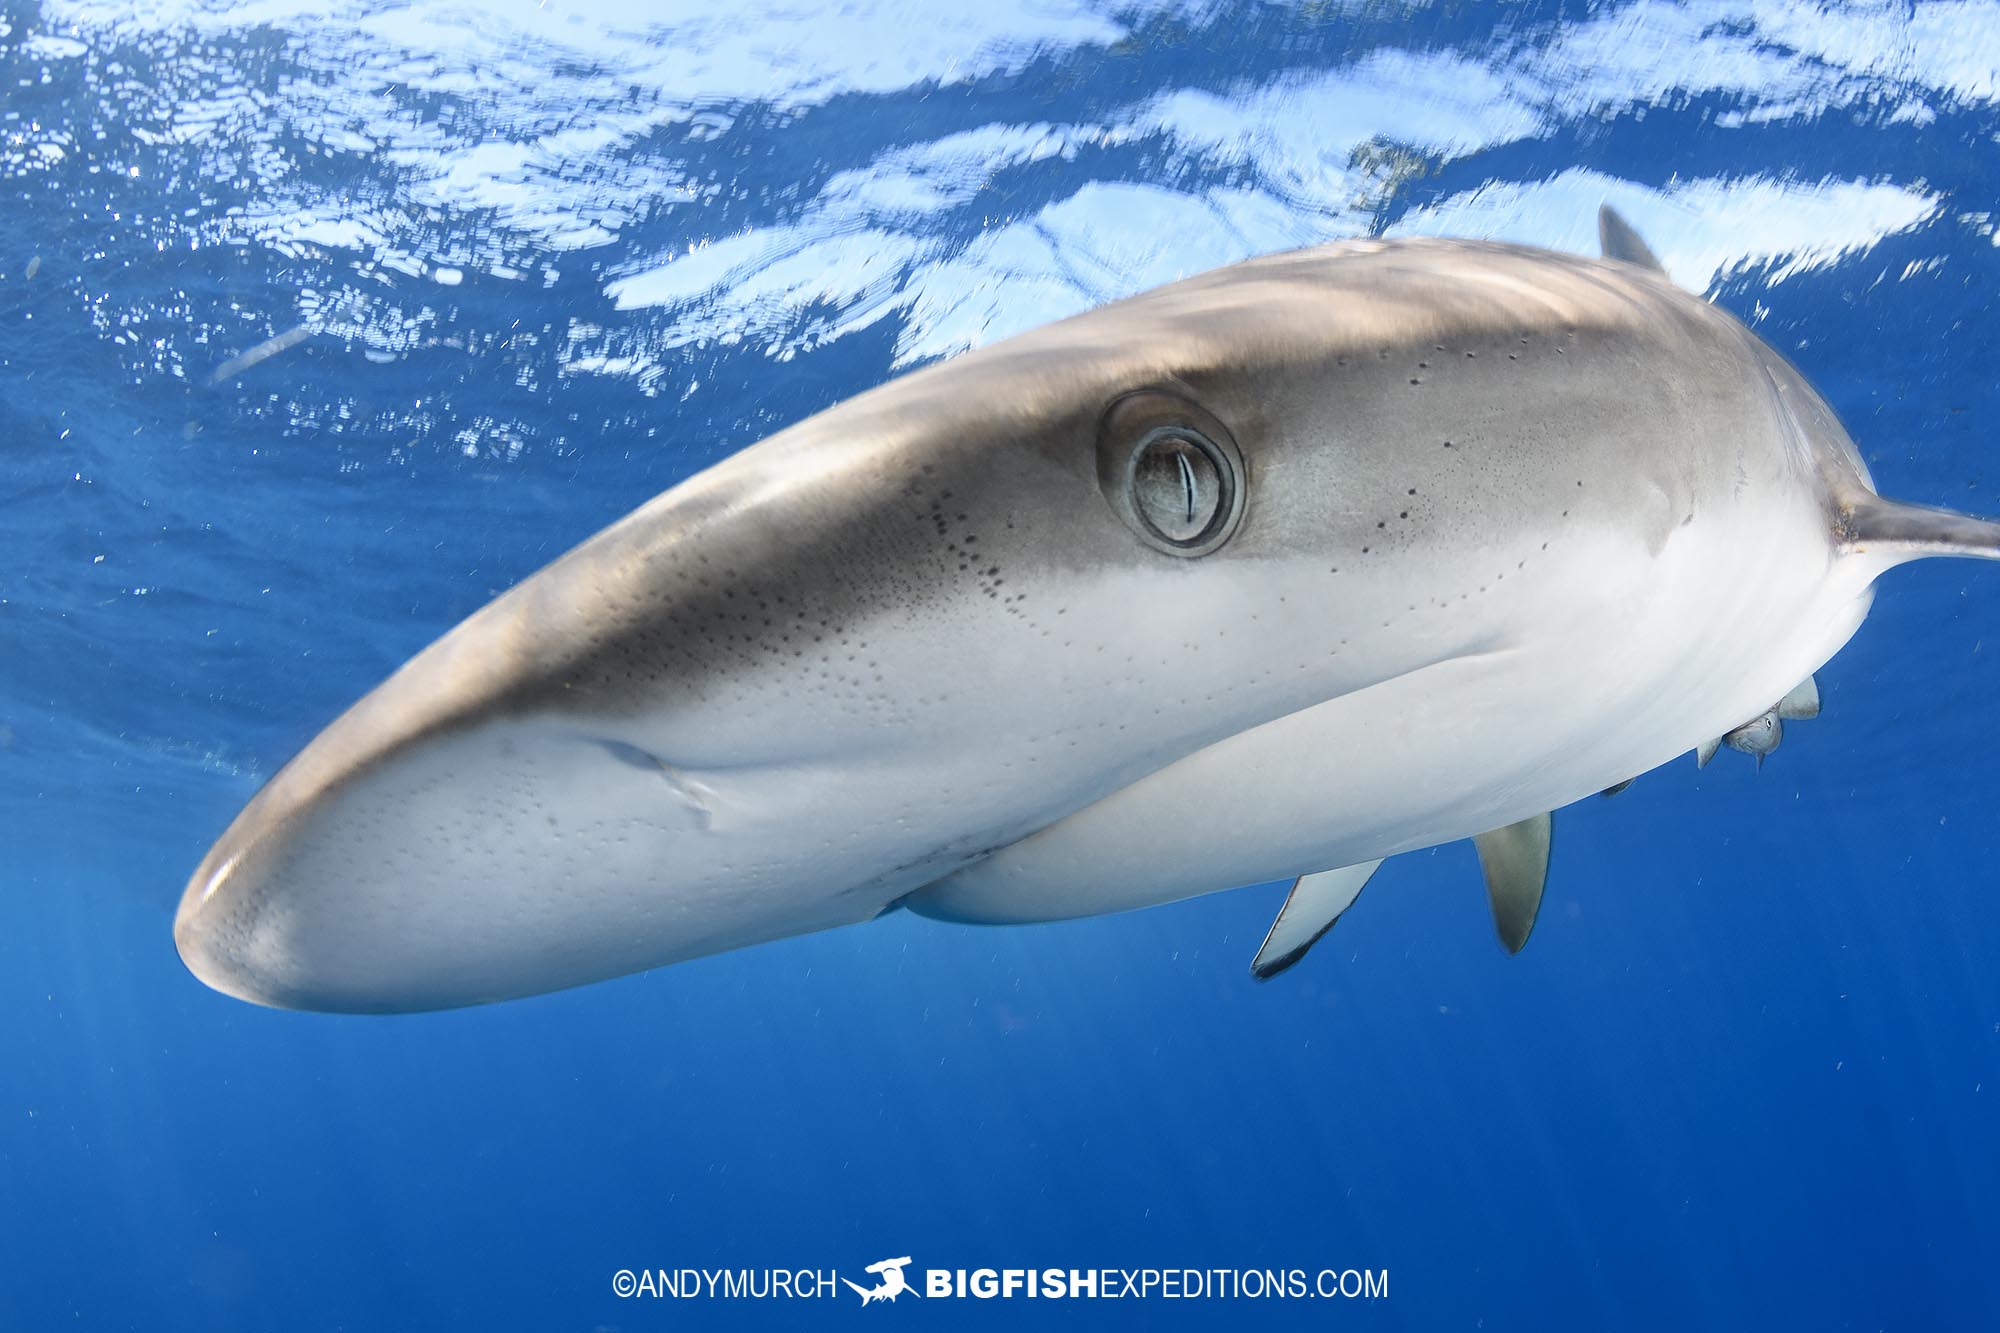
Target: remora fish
1276	571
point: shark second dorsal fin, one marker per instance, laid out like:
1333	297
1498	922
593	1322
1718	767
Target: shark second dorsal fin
1617	240
1316	902
1516	862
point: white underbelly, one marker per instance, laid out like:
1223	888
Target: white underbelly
1555	712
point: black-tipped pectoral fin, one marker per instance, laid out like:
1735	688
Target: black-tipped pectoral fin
1515	860
1315	903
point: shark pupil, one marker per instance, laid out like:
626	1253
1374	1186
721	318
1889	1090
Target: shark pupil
1178	486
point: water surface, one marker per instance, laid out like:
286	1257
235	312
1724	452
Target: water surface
544	260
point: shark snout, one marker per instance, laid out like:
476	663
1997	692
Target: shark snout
203	932
471	830
444	869
606	769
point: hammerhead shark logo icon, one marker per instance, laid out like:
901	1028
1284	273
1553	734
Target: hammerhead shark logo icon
893	1282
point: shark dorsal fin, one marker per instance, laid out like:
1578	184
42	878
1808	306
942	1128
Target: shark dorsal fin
1617	240
1316	902
1516	862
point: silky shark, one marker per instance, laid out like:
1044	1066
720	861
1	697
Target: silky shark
1271	573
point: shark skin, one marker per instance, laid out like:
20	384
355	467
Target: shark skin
1284	568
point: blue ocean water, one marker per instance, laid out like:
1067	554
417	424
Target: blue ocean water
546	259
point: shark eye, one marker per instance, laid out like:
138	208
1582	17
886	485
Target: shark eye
1171	472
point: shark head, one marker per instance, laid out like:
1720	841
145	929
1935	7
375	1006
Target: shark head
1283	568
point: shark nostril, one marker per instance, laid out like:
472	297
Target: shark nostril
626	753
693	795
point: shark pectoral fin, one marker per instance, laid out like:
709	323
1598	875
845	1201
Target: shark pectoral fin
1617	240
1706	751
1516	862
1801	703
1893	532
1316	902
